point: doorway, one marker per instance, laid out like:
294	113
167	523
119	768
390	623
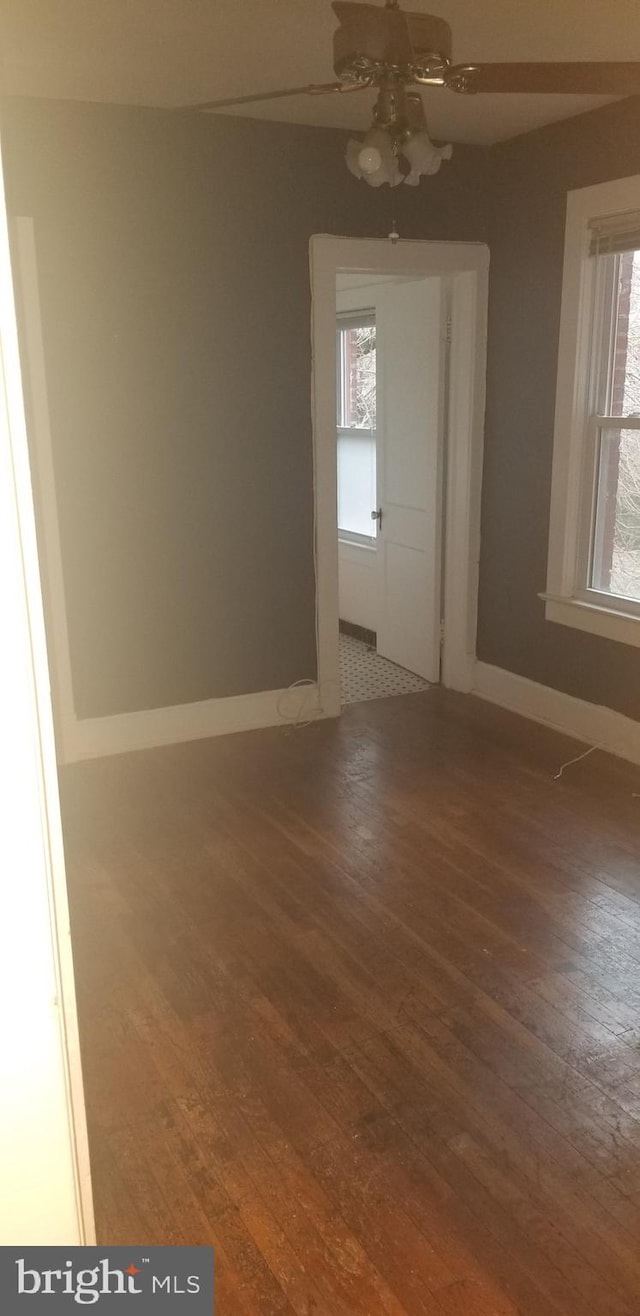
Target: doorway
391	365
426	620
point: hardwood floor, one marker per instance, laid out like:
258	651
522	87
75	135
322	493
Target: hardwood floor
360	1004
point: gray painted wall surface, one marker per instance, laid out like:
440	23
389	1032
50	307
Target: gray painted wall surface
173	256
530	177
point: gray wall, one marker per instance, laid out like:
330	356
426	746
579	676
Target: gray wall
530	177
173	256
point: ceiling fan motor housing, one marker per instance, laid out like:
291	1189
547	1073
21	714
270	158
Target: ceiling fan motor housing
372	44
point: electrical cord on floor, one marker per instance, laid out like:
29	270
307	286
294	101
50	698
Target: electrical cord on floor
577	759
296	719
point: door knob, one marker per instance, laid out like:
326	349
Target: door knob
377	516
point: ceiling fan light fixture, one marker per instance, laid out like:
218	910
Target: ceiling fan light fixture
373	158
376	157
422	156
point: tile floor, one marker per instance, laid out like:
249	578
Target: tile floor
365	675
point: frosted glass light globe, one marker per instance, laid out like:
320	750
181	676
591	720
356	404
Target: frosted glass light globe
369	159
373	158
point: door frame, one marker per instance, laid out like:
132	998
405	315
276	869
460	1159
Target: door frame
46	1170
467	264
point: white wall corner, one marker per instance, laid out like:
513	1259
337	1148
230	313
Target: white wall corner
591	723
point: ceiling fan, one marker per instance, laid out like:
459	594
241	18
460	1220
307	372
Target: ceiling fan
391	49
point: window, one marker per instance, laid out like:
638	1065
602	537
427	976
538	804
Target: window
356	426
615	550
594	555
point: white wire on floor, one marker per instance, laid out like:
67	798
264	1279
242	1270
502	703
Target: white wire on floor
295	716
577	759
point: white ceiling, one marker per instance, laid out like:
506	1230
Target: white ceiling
174	52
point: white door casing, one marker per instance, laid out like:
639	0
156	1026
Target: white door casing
46	1184
411	354
467	266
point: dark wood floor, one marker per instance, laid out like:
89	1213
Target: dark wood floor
360	1004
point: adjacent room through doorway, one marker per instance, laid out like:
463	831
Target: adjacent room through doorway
391	366
398	332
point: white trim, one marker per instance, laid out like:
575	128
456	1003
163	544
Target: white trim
594	619
349	539
465	443
51	573
571	481
592	723
94	737
46	1190
468	266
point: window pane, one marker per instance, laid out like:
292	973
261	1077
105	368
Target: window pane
357	394
616	549
356	483
625	380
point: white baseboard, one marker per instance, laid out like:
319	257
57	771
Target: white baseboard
592	723
86	738
96	737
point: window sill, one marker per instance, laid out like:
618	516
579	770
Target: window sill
356	543
621	626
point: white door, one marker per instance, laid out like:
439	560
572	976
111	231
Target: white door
411	367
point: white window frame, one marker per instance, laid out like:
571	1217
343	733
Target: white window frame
345	320
569	598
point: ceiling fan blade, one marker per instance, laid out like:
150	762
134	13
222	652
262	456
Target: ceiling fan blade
603	79
312	89
369	31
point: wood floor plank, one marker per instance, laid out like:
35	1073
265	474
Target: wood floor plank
360	1005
